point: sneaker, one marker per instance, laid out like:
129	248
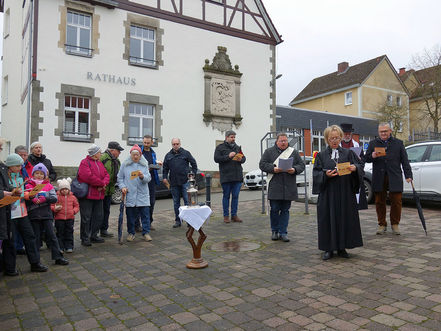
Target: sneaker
284	238
381	229
61	261
69	250
130	237
147	237
395	229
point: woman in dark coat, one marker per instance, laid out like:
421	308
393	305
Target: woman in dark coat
337	215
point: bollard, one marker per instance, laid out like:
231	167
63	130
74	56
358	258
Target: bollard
208	190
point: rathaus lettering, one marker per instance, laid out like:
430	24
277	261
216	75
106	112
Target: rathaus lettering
114	79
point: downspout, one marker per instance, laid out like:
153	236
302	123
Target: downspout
28	107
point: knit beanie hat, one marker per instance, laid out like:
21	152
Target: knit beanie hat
64	183
13	160
40	167
93	149
135	148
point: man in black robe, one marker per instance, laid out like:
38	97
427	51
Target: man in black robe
337	215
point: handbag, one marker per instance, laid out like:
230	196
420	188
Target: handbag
78	188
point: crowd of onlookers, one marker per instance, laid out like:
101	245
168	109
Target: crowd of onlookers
35	212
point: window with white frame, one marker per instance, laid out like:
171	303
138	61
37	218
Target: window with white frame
348	98
389	100
399	101
318	141
78	33
400	128
5	91
142	46
141	121
76	116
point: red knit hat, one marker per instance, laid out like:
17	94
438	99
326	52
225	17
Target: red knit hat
135	148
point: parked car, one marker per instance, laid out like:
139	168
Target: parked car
161	190
253	179
425	160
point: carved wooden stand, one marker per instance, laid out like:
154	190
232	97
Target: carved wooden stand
197	262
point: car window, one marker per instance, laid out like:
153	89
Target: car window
435	155
415	154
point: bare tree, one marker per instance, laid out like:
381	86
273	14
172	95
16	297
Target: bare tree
395	115
427	66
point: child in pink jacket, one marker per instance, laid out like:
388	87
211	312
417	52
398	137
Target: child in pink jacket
65	210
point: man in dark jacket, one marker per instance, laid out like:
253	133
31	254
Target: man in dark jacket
230	159
175	167
281	182
37	156
388	155
112	164
150	156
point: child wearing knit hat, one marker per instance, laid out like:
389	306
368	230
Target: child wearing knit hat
19	213
39	207
64	213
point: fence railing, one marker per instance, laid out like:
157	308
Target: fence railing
424	135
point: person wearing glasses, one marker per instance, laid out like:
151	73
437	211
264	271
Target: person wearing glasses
388	156
281	181
337	175
175	167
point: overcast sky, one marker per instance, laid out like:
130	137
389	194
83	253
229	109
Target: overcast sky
319	34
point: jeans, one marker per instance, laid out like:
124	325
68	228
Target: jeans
106	213
178	191
91	218
279	215
51	238
65	233
133	213
233	189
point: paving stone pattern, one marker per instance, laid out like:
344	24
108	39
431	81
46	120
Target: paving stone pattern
392	283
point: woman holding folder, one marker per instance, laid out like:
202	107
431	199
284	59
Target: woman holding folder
337	176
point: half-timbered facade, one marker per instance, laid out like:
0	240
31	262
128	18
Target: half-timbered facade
81	72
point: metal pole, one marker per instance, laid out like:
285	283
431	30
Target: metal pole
208	190
28	107
306	188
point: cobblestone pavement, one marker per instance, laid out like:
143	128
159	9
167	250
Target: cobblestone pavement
392	283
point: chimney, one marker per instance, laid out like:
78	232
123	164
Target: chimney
402	72
342	67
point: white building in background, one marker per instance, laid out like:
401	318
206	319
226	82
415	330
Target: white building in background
92	71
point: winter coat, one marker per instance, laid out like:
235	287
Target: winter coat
112	166
18	208
283	185
390	165
33	160
95	174
176	166
137	188
47	196
153	172
229	170
69	206
5	212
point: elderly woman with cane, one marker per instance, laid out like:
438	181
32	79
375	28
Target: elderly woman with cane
133	179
